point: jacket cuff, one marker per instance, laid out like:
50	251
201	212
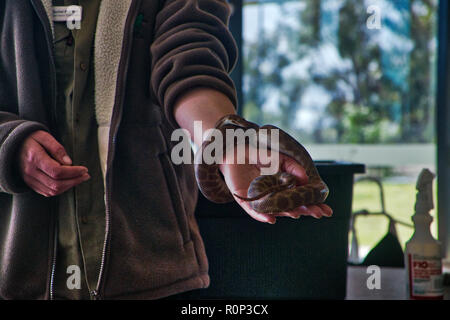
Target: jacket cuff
10	178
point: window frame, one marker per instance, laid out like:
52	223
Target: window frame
442	127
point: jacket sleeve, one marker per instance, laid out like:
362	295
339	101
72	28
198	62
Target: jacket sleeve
13	131
192	47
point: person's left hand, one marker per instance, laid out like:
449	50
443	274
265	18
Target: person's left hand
239	176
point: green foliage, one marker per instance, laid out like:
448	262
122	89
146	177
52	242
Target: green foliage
375	96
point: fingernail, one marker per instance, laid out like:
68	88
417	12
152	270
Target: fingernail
327	214
272	222
67	160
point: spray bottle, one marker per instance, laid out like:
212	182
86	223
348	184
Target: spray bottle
423	259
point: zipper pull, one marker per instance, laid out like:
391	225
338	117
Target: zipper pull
94	295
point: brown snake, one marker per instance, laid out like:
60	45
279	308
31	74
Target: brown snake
266	193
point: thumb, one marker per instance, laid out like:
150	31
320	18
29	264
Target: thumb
53	147
291	166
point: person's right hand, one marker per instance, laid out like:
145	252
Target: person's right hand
45	166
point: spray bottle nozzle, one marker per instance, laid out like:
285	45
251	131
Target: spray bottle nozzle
424	197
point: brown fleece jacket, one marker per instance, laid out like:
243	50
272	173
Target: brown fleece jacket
153	247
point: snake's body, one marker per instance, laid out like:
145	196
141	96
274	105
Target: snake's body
266	193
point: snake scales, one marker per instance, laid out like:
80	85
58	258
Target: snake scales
266	193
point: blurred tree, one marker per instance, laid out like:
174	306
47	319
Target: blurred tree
358	116
417	114
368	102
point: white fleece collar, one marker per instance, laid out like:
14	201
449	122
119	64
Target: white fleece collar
108	50
48	5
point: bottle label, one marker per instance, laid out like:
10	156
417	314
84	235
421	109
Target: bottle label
425	277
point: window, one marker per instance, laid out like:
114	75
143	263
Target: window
352	80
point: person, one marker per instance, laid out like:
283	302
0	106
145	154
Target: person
86	114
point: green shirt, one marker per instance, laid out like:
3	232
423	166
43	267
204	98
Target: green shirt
81	226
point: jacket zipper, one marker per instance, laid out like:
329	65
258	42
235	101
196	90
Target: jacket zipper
115	122
49	37
52	274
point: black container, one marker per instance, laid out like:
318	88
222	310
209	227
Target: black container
293	259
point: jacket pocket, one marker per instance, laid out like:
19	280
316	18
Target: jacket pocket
146	183
175	194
